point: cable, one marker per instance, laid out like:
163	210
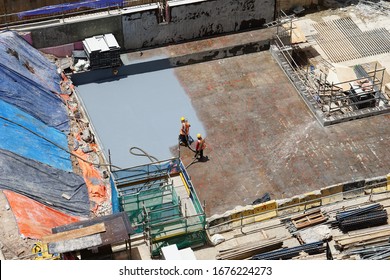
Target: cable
58	146
144	154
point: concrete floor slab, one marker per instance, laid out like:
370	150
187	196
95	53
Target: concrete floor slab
141	110
262	137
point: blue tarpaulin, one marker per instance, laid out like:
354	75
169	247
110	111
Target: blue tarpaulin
24	135
64	191
62	8
30	81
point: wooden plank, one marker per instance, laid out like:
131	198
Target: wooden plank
364	238
306	214
111	222
75	233
362	232
75	244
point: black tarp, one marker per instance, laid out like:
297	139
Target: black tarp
44	184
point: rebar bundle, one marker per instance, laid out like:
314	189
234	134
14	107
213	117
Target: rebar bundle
373	252
373	215
289	253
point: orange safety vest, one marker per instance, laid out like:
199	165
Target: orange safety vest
185	128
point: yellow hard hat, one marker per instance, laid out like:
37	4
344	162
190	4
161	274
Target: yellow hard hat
182	118
198	135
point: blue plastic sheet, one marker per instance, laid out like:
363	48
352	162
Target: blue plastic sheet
30	81
64	191
24	135
114	197
62	8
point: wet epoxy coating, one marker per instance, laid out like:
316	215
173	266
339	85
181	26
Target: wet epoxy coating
142	110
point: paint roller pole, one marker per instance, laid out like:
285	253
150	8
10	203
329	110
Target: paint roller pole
178	146
109	159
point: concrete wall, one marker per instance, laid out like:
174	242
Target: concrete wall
63	34
142	27
192	21
286	5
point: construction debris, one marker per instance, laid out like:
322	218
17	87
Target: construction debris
315	234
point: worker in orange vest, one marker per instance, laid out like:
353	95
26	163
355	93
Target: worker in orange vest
185	132
200	146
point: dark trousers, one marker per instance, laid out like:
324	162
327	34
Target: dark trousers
183	139
200	153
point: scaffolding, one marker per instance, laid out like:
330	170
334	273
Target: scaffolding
363	92
330	102
161	204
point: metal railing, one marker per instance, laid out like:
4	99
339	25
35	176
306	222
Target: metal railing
8	20
239	222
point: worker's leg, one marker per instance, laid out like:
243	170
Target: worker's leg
183	139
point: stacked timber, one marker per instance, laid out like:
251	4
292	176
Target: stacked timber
363	238
248	250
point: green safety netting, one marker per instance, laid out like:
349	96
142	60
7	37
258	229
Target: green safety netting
148	196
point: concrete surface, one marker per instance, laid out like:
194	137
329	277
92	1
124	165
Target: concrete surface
142	111
262	138
188	20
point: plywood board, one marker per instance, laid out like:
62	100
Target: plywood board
297	35
75	244
75	233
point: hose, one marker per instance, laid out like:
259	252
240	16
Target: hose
191	162
143	153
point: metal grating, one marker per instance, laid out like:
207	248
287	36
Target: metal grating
342	40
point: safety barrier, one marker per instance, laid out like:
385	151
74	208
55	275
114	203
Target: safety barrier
68	10
241	216
388	182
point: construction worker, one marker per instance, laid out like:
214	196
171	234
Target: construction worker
184	131
189	138
200	146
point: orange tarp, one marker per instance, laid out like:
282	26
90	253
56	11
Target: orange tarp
96	188
35	219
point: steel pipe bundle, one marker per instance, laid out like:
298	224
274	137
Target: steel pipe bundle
373	253
288	253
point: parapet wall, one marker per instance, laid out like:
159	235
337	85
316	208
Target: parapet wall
188	20
148	26
244	215
69	32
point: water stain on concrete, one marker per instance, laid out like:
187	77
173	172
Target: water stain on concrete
141	110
